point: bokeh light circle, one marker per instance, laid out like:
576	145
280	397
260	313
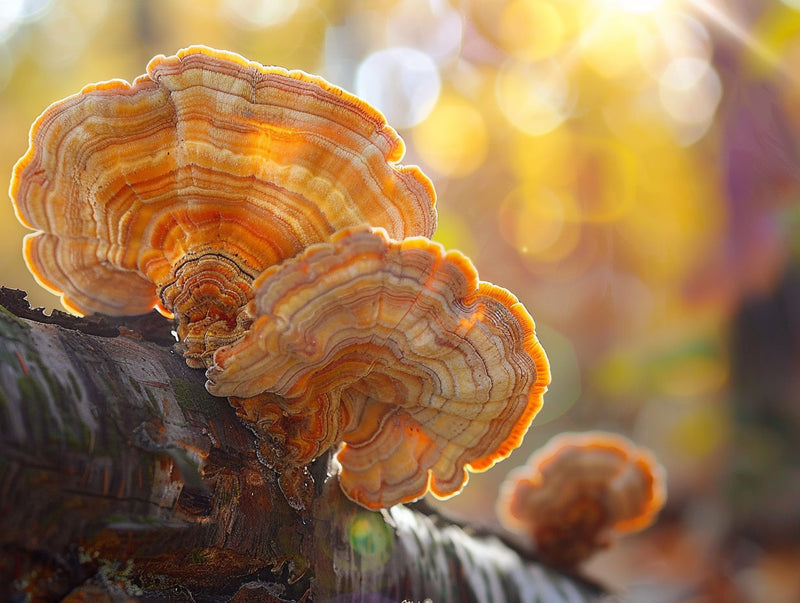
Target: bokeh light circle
453	139
370	539
601	47
535	224
533	97
531	29
690	90
637	7
256	14
13	13
432	26
676	35
403	83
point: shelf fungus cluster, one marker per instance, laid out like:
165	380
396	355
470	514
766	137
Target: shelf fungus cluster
266	212
177	190
395	349
579	491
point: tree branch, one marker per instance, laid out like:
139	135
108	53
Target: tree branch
120	476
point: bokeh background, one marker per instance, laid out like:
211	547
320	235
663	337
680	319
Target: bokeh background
628	168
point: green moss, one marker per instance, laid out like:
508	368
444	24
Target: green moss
135	384
152	401
30	390
193	397
36	399
9	358
108	384
73	382
10	325
113	518
197	556
50	404
57	391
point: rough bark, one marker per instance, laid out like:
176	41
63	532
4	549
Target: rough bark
122	478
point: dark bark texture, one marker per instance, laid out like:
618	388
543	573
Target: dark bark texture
122	479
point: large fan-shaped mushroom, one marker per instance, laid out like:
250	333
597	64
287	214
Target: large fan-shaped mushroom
393	348
177	190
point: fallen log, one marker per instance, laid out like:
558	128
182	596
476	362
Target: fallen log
122	478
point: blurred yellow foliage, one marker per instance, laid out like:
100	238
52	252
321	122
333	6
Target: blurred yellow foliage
530	29
453	140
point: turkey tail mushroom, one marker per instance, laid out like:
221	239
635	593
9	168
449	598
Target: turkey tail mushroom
578	491
396	351
177	190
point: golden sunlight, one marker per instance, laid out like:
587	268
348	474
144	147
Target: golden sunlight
638	7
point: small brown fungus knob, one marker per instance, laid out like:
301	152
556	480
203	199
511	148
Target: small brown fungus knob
177	190
393	350
578	491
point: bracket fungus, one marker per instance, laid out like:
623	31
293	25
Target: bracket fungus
265	210
396	351
579	490
177	190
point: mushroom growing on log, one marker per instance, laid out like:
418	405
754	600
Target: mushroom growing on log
577	492
212	176
177	190
396	350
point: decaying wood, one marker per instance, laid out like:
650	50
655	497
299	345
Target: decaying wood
122	478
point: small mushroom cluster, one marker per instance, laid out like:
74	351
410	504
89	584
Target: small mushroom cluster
266	212
574	494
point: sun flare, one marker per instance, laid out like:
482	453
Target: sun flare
638	7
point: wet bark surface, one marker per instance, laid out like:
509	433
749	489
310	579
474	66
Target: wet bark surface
121	479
